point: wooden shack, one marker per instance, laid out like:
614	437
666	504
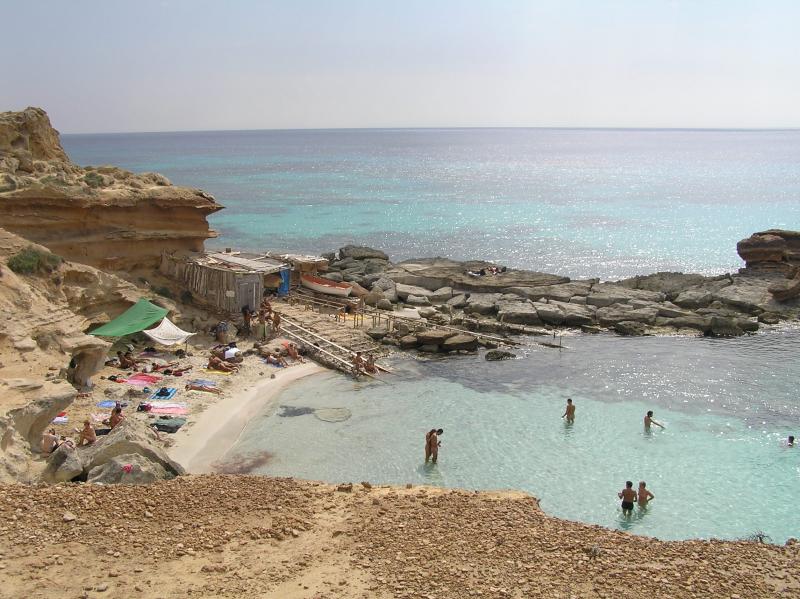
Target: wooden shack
228	281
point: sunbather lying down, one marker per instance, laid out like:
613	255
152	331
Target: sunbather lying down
206	388
214	363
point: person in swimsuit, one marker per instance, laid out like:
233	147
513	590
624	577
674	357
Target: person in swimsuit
358	364
432	444
648	420
214	363
116	417
49	442
369	366
643	495
569	413
628	496
199	387
87	435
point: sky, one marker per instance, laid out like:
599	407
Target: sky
171	65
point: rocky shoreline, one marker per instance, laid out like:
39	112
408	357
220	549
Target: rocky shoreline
765	291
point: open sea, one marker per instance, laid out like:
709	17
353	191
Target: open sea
582	203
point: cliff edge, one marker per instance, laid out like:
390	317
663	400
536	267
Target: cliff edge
104	216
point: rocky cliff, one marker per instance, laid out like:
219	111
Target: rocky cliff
104	216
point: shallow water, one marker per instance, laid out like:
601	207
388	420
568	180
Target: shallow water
718	469
577	202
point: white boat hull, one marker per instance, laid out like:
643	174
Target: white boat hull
326	289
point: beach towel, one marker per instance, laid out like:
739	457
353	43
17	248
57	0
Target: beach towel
62	418
169	425
211	371
106	403
156	397
99	417
142	379
271	364
204	382
156	409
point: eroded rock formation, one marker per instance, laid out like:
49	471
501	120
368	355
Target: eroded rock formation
775	249
104	216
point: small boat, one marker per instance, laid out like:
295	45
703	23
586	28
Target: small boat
326	286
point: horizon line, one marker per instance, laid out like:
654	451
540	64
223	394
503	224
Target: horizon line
435	128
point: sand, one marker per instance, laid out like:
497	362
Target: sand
214	431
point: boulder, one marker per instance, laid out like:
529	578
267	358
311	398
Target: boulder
63	465
434	336
725	327
358	252
377	333
562	293
373	297
460	342
611	315
441	295
128	469
550	313
769	318
767	246
693	321
384	304
428	312
403	291
408	341
334	276
746	294
578	315
457	301
429	348
31	420
132	436
495	355
670	310
608	294
694	298
402	329
387	287
669	283
518	313
630	328
783	291
416	300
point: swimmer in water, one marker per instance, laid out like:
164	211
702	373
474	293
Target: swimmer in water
569	413
644	496
628	496
648	420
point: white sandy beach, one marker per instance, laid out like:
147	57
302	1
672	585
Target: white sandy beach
215	430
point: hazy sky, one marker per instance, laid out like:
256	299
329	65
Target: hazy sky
139	65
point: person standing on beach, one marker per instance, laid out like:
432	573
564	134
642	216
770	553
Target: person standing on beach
648	420
432	444
644	496
569	413
628	496
276	323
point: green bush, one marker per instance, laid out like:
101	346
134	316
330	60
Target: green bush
164	292
30	261
93	179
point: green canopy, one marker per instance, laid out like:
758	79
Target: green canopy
136	318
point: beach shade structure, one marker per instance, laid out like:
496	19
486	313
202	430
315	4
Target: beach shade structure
167	333
136	318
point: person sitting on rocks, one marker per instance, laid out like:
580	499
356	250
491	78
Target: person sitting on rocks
232	354
358	364
68	443
116	417
291	349
215	363
87	435
49	442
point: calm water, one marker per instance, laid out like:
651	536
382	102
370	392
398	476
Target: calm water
584	203
718	469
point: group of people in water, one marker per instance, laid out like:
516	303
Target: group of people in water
361	365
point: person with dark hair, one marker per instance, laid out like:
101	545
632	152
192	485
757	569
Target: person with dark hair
49	442
569	412
628	496
648	420
790	441
116	416
432	444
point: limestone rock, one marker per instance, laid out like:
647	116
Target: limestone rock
460	342
669	283
128	469
119	222
403	291
630	328
361	252
416	300
334	276
441	295
384	304
457	301
63	465
783	291
562	293
408	342
429	348
694	298
387	287
693	321
434	336
518	313
377	333
130	437
775	249
611	315
725	327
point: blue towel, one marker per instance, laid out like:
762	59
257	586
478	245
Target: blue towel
156	397
106	404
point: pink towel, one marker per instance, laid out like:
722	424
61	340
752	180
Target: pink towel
142	379
174	411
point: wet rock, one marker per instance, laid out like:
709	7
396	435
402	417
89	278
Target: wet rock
630	328
429	348
434	336
377	333
611	315
769	318
693	321
725	327
495	355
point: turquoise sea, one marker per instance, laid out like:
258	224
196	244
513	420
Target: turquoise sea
578	202
584	203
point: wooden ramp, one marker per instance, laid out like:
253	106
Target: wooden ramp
336	354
